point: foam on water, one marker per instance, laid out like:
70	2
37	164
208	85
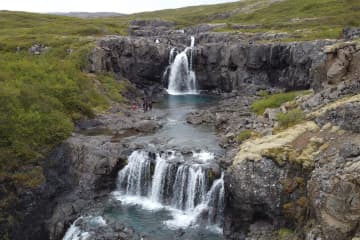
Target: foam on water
143	202
75	232
204	156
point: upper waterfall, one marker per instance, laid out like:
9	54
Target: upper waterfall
182	78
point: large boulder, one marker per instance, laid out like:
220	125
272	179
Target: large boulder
339	64
334	190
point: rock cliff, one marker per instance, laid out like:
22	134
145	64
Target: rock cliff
222	62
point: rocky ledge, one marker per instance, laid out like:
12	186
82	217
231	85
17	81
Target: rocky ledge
298	182
81	172
222	62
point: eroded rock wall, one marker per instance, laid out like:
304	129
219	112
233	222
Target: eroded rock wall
222	62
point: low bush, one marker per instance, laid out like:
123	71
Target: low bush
290	118
244	135
274	100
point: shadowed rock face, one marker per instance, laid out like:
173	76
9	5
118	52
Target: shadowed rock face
77	171
221	62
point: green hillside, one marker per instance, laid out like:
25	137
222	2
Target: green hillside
306	19
42	95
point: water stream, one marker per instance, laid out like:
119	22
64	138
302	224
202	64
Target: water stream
171	188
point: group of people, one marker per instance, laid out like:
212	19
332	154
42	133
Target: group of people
147	104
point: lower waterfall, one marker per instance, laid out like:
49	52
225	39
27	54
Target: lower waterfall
165	182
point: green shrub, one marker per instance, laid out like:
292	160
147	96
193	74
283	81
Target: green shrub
274	100
284	234
290	118
244	135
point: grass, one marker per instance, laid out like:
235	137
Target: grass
290	118
274	100
305	19
41	96
244	135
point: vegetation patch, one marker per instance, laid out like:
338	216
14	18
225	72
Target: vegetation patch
290	118
274	145
43	94
285	234
275	100
244	135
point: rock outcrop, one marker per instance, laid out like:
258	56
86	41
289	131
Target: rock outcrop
80	173
222	62
303	178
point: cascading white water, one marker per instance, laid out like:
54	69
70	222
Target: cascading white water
172	54
182	78
216	201
178	186
136	175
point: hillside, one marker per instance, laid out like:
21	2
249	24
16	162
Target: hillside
44	93
88	14
305	18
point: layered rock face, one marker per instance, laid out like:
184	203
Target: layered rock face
222	62
76	172
303	178
80	173
237	66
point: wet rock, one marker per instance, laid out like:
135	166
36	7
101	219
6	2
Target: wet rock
146	126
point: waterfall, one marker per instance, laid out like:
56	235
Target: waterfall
174	185
216	201
182	77
137	174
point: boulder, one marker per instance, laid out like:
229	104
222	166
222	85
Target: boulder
334	191
339	64
146	126
351	33
271	113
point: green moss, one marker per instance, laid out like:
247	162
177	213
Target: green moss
284	234
244	135
281	155
290	118
275	100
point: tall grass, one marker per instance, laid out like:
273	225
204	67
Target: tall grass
41	96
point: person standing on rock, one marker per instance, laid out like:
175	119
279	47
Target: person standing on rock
150	104
145	104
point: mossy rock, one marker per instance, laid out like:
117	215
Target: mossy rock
246	134
280	155
285	234
297	209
